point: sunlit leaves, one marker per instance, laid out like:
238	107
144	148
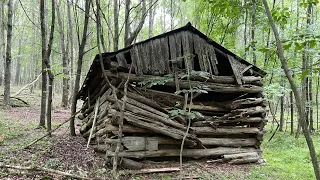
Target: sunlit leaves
281	15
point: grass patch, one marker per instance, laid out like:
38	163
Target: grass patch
287	158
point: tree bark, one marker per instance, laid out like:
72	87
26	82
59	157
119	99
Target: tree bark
64	54
3	42
44	71
79	65
116	25
317	99
281	113
48	65
7	75
130	37
151	19
71	49
254	58
297	95
18	68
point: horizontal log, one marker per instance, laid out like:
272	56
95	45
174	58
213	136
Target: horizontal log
194	153
214	79
245	160
215	122
224	131
245	102
207	108
158	170
126	129
231	142
246	112
216	87
229	157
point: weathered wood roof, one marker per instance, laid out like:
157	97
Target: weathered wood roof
162	54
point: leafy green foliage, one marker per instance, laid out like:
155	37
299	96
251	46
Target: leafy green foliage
274	91
161	80
190	115
197	89
281	15
194	74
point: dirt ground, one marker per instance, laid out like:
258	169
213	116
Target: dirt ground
69	154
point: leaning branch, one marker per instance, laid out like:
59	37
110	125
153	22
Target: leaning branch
41	169
48	133
24	87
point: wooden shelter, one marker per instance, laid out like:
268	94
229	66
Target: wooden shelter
227	109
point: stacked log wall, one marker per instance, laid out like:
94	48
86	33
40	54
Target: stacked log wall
230	127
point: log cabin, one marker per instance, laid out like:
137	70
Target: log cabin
176	89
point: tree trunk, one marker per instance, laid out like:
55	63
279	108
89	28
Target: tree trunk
79	65
151	19
71	49
18	69
127	22
310	63
291	112
130	37
116	25
3	42
317	99
245	30
50	74
44	71
281	113
254	58
7	75
296	92
64	53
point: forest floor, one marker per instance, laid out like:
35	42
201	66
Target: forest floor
287	157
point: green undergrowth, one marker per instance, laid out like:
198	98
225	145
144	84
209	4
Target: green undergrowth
10	130
287	158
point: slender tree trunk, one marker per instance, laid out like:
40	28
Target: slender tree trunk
17	79
35	60
116	25
171	14
130	37
296	92
281	113
317	99
291	113
79	66
310	57
71	48
109	30
151	19
127	23
101	27
48	65
254	58
7	74
44	71
64	53
245	29
3	42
